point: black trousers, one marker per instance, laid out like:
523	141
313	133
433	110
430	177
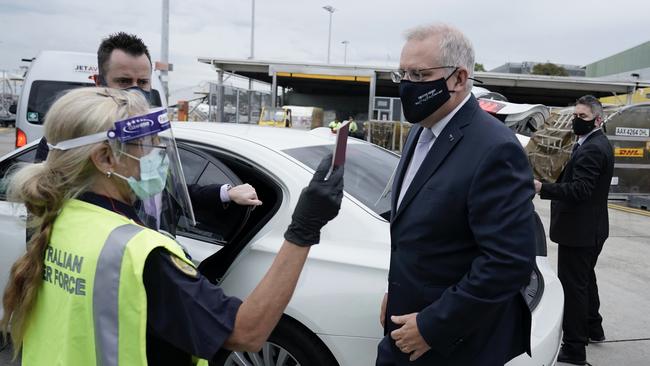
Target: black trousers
385	353
582	318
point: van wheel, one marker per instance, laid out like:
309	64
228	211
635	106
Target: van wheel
290	344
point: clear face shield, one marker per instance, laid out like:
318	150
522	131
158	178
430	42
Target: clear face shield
157	177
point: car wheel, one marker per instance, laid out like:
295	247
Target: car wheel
290	344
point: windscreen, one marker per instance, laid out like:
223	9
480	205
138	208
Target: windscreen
42	95
368	171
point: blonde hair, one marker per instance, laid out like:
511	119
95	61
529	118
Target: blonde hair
44	187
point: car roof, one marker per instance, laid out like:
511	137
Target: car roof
276	138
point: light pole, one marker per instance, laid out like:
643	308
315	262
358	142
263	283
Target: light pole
330	9
164	47
252	31
345	52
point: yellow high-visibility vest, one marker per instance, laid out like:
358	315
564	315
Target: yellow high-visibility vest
91	308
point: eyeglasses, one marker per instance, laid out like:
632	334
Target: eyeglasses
145	148
413	75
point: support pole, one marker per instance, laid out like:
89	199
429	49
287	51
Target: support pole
220	103
250	101
329	39
371	103
252	31
330	9
164	48
630	94
237	106
274	90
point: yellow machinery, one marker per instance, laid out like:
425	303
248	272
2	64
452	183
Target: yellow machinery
278	117
639	96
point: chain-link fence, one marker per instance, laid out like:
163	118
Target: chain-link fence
236	105
390	135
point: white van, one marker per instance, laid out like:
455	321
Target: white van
50	74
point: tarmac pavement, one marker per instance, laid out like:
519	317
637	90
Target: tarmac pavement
623	273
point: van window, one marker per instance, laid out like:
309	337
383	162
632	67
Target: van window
43	93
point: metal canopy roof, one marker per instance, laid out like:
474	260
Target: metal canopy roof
312	78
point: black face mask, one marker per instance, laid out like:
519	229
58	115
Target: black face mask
145	93
582	127
422	99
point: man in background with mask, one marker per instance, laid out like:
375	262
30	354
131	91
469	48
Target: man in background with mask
124	62
462	232
580	225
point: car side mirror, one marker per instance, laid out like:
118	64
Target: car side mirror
13	108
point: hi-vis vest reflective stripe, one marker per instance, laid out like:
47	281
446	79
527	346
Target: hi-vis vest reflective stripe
91	307
105	302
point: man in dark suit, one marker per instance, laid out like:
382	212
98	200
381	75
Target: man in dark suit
461	222
580	225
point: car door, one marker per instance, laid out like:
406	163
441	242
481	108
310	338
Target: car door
13	218
214	228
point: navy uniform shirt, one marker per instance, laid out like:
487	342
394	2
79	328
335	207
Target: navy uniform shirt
186	314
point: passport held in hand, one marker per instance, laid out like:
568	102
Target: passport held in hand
339	147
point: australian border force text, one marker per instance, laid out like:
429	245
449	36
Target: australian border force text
63	269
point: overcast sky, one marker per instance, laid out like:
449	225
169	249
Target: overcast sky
568	32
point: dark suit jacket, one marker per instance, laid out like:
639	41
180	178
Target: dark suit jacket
463	244
579	207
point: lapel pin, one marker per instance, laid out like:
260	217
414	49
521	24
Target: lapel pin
451	137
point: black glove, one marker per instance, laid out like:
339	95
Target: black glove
319	202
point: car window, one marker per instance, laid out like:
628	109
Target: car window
368	171
213	175
43	93
201	170
26	156
193	165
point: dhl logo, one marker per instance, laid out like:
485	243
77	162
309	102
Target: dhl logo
628	153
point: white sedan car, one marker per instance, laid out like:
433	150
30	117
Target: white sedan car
333	317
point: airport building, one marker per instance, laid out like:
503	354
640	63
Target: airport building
368	92
526	67
633	63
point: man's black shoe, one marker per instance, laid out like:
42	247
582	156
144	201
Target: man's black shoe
570	357
597	339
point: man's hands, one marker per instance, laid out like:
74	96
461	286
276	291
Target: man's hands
244	195
408	338
538	186
319	202
382	312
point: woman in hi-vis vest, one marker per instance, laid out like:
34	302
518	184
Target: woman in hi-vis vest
96	286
